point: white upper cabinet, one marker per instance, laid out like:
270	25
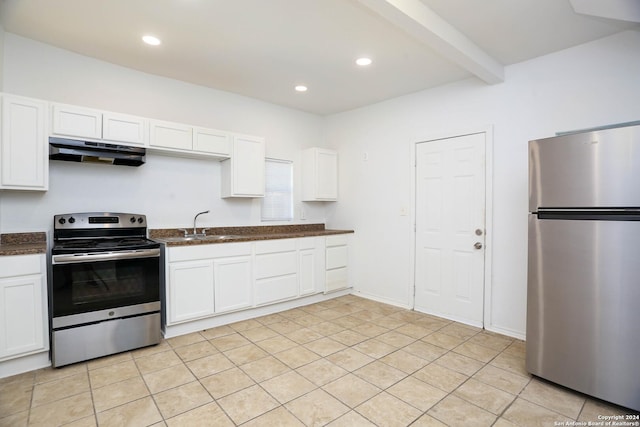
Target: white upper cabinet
79	122
243	173
185	140
24	163
169	138
171	135
69	120
211	141
124	128
319	175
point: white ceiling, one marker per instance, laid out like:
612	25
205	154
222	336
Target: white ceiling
263	48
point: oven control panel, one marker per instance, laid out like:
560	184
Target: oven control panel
93	220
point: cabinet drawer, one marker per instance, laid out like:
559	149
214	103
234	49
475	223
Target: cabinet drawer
276	264
20	265
337	256
307	243
337	240
274	289
213	250
273	246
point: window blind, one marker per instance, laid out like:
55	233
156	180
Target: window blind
277	203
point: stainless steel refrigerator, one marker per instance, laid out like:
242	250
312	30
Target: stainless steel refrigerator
583	299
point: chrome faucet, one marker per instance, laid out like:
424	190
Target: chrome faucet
195	230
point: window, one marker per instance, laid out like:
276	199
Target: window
277	203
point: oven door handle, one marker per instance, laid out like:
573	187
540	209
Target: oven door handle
105	256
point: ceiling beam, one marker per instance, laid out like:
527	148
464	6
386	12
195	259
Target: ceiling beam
420	21
622	10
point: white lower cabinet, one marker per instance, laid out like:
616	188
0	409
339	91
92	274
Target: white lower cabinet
232	283
276	270
337	262
311	258
206	280
191	290
23	307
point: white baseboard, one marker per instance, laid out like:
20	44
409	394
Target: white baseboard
380	299
24	364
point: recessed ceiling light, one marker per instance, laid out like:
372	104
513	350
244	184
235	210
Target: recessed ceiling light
363	62
153	41
301	88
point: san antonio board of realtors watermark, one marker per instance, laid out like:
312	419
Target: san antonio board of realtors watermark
604	420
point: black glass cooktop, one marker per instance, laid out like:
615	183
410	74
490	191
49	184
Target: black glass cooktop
102	245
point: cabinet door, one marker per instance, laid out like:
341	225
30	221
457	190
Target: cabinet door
243	174
69	120
21	315
307	271
319	175
211	141
232	283
124	128
191	290
170	135
327	178
24	160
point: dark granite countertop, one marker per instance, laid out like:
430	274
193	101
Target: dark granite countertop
23	243
173	236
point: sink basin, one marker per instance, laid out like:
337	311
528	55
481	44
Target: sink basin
213	237
220	237
179	239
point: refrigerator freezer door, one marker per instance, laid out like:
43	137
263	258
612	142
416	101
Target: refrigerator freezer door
592	169
583	316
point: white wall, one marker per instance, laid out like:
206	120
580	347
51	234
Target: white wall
1	55
589	85
169	190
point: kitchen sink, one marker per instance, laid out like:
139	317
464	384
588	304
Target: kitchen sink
220	237
213	237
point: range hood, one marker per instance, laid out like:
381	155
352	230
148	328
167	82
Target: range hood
72	150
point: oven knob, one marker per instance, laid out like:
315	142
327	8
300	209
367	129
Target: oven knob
72	220
140	220
132	219
62	220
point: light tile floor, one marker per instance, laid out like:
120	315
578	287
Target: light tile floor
344	362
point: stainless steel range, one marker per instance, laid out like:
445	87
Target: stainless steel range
104	289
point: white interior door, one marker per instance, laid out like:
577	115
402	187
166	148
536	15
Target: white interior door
450	228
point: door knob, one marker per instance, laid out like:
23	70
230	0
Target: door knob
478	245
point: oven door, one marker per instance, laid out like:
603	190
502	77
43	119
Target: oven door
83	283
